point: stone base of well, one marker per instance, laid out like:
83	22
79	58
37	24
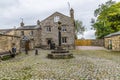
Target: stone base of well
60	54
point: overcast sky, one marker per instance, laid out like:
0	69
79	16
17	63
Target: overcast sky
31	10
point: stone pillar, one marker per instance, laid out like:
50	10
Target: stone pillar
59	33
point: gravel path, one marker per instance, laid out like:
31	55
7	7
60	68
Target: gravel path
82	67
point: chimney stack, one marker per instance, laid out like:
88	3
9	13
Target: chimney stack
22	24
38	22
72	13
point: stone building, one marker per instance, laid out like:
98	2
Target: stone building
29	33
50	30
46	31
112	41
42	33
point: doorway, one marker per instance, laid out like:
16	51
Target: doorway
49	42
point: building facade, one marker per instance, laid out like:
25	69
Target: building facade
50	30
112	41
46	32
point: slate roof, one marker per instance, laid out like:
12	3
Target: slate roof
4	31
28	27
113	34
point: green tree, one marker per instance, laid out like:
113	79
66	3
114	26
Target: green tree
107	19
79	28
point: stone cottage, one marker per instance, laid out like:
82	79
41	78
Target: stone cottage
29	33
112	41
46	31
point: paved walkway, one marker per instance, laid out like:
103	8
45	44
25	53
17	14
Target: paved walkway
90	48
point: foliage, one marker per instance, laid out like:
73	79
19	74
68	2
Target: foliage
79	28
7	57
108	19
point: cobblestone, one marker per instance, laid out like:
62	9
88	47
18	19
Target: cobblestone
82	67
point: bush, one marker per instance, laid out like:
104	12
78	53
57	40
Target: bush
6	57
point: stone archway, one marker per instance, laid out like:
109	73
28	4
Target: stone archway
25	43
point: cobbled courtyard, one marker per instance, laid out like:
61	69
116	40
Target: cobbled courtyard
86	65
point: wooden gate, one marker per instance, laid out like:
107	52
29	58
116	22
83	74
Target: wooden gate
89	42
83	42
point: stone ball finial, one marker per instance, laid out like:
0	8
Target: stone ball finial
59	27
59	22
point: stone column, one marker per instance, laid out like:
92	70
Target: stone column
59	33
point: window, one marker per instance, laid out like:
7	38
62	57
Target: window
48	29
22	33
56	18
64	39
64	28
31	33
110	41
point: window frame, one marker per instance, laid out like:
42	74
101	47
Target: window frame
64	28
48	28
64	40
56	18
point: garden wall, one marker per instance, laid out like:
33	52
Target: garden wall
6	42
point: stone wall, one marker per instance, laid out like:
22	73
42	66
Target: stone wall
107	42
3	43
6	43
113	43
98	42
37	38
53	34
116	43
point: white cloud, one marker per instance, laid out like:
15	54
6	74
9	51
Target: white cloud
31	10
89	34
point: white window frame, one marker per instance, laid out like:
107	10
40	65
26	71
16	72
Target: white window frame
56	18
64	28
